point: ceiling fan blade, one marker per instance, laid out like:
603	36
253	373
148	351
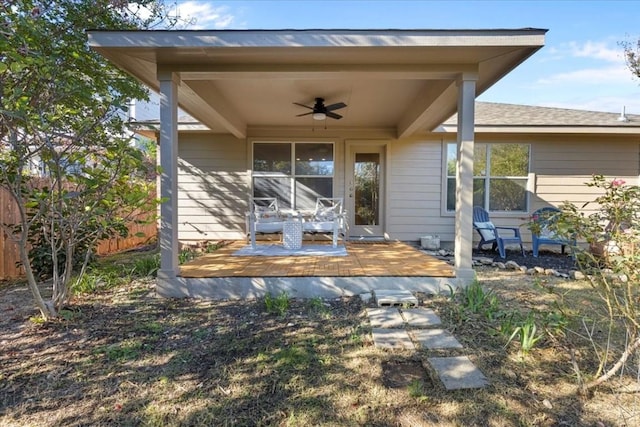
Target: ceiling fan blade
335	106
333	115
304	114
302	105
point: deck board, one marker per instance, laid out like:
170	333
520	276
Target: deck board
362	260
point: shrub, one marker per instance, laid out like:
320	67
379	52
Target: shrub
612	266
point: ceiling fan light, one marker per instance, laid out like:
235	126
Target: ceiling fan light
319	116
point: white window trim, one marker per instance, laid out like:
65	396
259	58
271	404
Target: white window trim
292	176
529	179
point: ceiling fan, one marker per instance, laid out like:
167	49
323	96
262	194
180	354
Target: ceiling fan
320	111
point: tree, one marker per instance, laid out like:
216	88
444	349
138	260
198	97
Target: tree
632	56
62	108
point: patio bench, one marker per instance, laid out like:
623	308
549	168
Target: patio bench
263	218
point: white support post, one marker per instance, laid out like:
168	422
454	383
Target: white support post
169	246
464	178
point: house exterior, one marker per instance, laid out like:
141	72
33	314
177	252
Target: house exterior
558	151
564	148
385	156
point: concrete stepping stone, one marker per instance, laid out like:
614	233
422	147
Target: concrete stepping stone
421	317
392	338
458	372
435	339
387	317
395	298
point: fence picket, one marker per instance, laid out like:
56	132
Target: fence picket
9	254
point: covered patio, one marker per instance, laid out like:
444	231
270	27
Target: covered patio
247	89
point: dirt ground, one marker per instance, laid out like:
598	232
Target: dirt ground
126	357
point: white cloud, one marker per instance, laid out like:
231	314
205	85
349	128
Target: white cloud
590	76
596	50
203	15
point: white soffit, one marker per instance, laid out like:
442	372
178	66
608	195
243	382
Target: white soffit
232	80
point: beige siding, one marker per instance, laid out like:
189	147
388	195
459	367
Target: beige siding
414	191
562	169
212	187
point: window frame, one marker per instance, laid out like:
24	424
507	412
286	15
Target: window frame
293	176
526	179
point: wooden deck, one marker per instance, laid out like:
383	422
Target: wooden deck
390	259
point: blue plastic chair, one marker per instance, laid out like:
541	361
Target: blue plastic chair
542	235
490	234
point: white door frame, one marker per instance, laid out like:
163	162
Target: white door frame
351	146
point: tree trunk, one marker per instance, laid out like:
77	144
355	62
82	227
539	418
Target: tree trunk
47	310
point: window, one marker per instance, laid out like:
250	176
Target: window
296	173
500	174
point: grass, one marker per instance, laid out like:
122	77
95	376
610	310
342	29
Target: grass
124	357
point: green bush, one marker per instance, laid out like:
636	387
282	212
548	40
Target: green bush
277	304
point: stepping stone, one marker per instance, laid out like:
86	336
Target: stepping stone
385	318
435	339
392	338
458	372
421	317
395	298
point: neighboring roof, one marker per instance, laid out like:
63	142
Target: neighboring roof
504	118
232	80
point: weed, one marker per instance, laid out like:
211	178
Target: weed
125	350
99	277
69	315
478	301
212	247
151	327
186	255
147	266
294	357
356	335
318	306
527	333
277	304
508	323
555	322
200	334
416	390
37	320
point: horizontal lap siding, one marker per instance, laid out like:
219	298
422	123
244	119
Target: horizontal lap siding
563	168
414	191
212	187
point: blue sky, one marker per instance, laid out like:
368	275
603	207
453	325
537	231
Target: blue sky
581	66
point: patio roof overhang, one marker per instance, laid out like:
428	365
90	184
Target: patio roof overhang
236	80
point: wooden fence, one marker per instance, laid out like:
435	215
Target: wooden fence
9	255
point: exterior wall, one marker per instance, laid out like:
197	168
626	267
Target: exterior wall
214	183
562	169
212	187
415	191
561	165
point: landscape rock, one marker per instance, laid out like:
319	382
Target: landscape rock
512	265
577	275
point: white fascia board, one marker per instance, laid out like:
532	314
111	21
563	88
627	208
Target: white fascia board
618	130
314	38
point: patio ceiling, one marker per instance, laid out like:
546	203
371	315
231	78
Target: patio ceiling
233	81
